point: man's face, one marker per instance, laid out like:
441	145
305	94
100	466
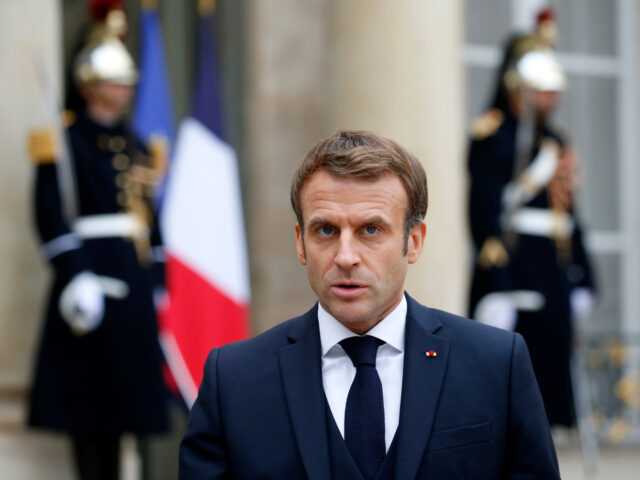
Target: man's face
113	97
353	246
545	102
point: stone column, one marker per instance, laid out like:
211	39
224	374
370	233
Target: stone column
30	71
398	72
286	111
31	79
315	66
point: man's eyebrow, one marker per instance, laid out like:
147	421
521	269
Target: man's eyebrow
318	221
376	219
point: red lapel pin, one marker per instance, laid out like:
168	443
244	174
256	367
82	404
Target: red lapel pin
431	353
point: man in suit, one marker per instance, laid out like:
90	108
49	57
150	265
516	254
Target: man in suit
368	383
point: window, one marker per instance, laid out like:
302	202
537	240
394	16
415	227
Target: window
596	47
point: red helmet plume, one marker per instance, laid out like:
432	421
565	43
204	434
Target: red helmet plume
99	9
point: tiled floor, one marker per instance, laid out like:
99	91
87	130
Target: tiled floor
622	463
33	456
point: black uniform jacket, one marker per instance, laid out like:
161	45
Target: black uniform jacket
534	263
108	380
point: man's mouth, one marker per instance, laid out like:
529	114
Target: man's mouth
347	290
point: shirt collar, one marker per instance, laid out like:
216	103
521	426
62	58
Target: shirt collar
390	329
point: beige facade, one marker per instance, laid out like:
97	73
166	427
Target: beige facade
286	112
315	67
31	73
396	72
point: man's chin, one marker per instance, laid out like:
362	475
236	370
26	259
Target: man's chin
358	320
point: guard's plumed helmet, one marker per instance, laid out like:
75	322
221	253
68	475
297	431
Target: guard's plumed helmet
534	65
546	25
105	57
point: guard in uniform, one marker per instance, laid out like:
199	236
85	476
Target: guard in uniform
99	369
531	271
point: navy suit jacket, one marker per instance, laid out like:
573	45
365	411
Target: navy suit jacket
472	411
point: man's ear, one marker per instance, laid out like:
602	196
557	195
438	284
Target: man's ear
416	242
300	246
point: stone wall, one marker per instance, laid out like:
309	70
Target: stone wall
30	72
317	66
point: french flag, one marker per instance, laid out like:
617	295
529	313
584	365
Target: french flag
203	229
153	119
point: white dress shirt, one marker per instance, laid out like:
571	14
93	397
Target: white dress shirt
338	371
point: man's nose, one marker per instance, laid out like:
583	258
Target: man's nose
347	256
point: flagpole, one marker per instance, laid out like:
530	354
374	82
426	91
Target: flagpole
206	7
149	4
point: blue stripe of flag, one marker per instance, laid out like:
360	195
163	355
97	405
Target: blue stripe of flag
153	110
206	106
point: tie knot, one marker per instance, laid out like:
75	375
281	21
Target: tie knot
362	350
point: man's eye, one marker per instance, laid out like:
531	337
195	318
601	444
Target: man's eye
371	230
325	231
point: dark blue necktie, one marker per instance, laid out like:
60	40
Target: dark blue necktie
364	414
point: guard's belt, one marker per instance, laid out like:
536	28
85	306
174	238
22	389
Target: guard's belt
541	222
109	225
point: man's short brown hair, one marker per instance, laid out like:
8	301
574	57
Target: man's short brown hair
364	155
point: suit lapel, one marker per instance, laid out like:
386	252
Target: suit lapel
301	368
422	381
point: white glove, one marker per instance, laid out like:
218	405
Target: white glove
537	174
81	303
497	310
582	301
